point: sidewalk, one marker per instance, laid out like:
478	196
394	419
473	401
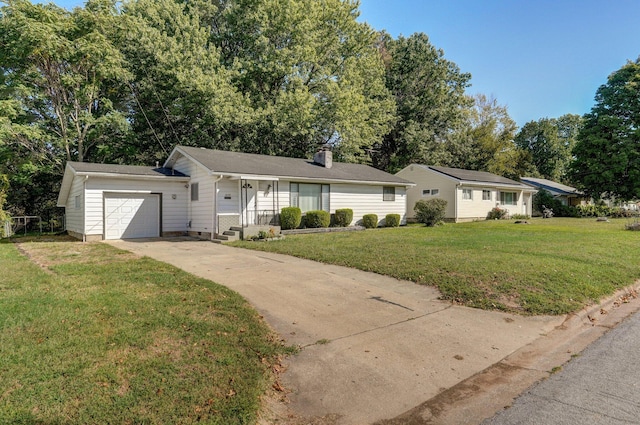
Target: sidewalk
374	348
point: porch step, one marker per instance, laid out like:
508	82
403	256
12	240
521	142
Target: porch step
236	228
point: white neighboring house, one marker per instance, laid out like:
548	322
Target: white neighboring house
470	195
205	193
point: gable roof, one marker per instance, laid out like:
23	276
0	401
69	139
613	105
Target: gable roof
551	186
471	177
73	169
247	164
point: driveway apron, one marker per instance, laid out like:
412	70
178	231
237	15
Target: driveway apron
372	347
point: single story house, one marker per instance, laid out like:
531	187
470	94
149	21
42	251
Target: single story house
205	193
567	195
470	195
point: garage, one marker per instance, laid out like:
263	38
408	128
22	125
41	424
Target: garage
131	215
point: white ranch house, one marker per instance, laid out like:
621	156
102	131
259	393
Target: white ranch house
470	195
206	193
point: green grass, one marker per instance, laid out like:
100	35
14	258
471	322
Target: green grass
552	266
90	334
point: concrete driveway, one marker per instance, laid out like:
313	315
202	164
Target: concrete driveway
372	347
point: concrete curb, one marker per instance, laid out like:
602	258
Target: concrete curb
482	395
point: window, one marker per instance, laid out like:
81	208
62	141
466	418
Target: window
508	198
426	192
77	201
432	192
309	197
467	194
195	191
486	195
388	193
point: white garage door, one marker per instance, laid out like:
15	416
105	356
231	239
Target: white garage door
131	215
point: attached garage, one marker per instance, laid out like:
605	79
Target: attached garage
131	215
106	201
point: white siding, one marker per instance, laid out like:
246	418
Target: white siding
425	179
174	217
75	216
362	199
475	208
200	212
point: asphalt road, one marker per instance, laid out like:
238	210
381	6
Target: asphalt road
599	386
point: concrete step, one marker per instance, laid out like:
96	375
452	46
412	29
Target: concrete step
236	228
217	240
230	233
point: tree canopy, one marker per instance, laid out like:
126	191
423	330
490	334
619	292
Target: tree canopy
549	143
125	82
429	92
607	153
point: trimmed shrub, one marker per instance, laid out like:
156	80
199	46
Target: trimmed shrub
430	211
290	218
317	219
496	214
392	220
343	217
370	221
520	217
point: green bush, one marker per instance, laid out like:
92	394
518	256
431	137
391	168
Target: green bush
430	211
392	220
343	217
496	214
317	219
290	218
370	221
544	199
520	217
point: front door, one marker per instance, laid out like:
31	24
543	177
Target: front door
249	201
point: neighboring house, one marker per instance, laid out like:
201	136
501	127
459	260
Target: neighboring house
470	195
567	195
205	192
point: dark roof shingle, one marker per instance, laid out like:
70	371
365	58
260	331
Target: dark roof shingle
134	170
474	176
225	162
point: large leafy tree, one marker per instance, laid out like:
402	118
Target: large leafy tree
430	95
59	95
485	140
59	69
311	73
265	76
607	153
549	142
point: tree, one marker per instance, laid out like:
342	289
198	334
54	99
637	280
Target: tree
430	99
550	142
485	141
607	153
278	77
58	71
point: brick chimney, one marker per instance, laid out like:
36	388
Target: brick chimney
323	157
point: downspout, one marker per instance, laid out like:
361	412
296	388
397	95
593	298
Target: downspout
455	203
84	211
215	224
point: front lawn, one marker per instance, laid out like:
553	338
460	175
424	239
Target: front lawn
552	266
93	335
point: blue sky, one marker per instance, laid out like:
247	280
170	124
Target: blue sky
541	58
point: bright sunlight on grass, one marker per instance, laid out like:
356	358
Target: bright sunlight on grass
94	335
552	266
